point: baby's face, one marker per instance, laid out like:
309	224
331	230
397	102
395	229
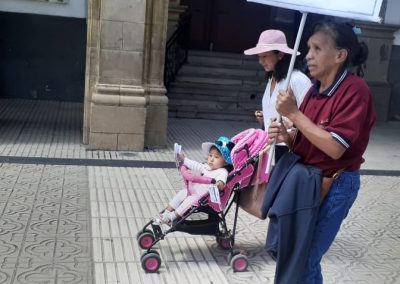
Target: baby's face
215	160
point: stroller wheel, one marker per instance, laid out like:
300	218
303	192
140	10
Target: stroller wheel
232	254
147	252
146	239
239	263
151	262
141	232
224	242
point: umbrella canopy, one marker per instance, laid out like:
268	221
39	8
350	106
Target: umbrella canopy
367	10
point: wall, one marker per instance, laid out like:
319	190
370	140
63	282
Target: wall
71	8
42	56
392	17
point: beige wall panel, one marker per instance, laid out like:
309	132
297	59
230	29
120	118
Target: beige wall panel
111	35
124	10
156	125
130	142
159	11
118	119
103	141
94	13
133	36
156	76
122	64
134	82
158	32
94	64
111	80
94	33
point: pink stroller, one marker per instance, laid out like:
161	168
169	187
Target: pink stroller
249	161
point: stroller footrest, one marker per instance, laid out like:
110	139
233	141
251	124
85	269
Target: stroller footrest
158	233
199	227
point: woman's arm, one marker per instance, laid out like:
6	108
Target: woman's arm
322	139
319	137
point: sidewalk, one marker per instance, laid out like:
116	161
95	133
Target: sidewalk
77	222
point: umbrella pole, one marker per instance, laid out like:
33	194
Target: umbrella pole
287	81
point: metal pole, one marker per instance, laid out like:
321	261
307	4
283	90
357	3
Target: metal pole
287	81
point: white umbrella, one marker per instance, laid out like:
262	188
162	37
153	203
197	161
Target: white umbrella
367	10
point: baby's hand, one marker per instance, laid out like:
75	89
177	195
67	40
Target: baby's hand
181	157
259	117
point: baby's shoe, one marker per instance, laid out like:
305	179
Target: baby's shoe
157	220
166	218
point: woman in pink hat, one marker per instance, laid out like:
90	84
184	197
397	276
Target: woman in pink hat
274	55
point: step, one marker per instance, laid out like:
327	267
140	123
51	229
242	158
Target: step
223	72
208	80
248	117
218	83
223	59
211	92
215	85
216	96
223	107
207	87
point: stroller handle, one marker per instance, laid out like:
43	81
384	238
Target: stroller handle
187	176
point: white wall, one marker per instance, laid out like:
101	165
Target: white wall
73	8
392	17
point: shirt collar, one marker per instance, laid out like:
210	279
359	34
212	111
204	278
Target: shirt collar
332	88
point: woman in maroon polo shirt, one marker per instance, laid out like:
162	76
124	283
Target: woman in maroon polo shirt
333	125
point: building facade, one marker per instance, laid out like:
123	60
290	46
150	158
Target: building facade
109	55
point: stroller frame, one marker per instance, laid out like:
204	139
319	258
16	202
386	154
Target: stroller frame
214	225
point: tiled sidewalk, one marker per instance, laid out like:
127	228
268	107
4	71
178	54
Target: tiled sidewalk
365	251
44	224
78	224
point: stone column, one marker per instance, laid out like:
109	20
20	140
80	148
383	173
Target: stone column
124	74
379	38
92	62
157	101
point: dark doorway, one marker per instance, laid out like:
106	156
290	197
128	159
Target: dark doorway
42	57
234	25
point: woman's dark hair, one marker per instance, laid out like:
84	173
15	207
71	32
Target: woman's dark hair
343	37
281	67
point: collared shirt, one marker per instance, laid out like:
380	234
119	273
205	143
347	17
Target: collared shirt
346	111
299	84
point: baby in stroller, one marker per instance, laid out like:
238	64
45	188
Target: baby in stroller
217	167
233	166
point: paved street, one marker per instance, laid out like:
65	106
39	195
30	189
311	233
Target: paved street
70	215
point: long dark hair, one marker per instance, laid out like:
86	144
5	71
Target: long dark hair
344	37
281	67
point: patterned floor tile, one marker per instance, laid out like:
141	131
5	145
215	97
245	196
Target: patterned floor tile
44	225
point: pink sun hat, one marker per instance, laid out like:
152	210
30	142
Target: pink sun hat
270	40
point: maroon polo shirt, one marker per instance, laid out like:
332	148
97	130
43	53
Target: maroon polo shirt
346	110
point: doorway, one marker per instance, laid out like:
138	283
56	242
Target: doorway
234	25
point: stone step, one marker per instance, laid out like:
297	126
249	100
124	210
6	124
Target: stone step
223	59
207	86
208	80
210	115
247	105
216	85
226	96
187	112
212	92
223	72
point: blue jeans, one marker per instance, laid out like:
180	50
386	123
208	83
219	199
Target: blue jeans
332	212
